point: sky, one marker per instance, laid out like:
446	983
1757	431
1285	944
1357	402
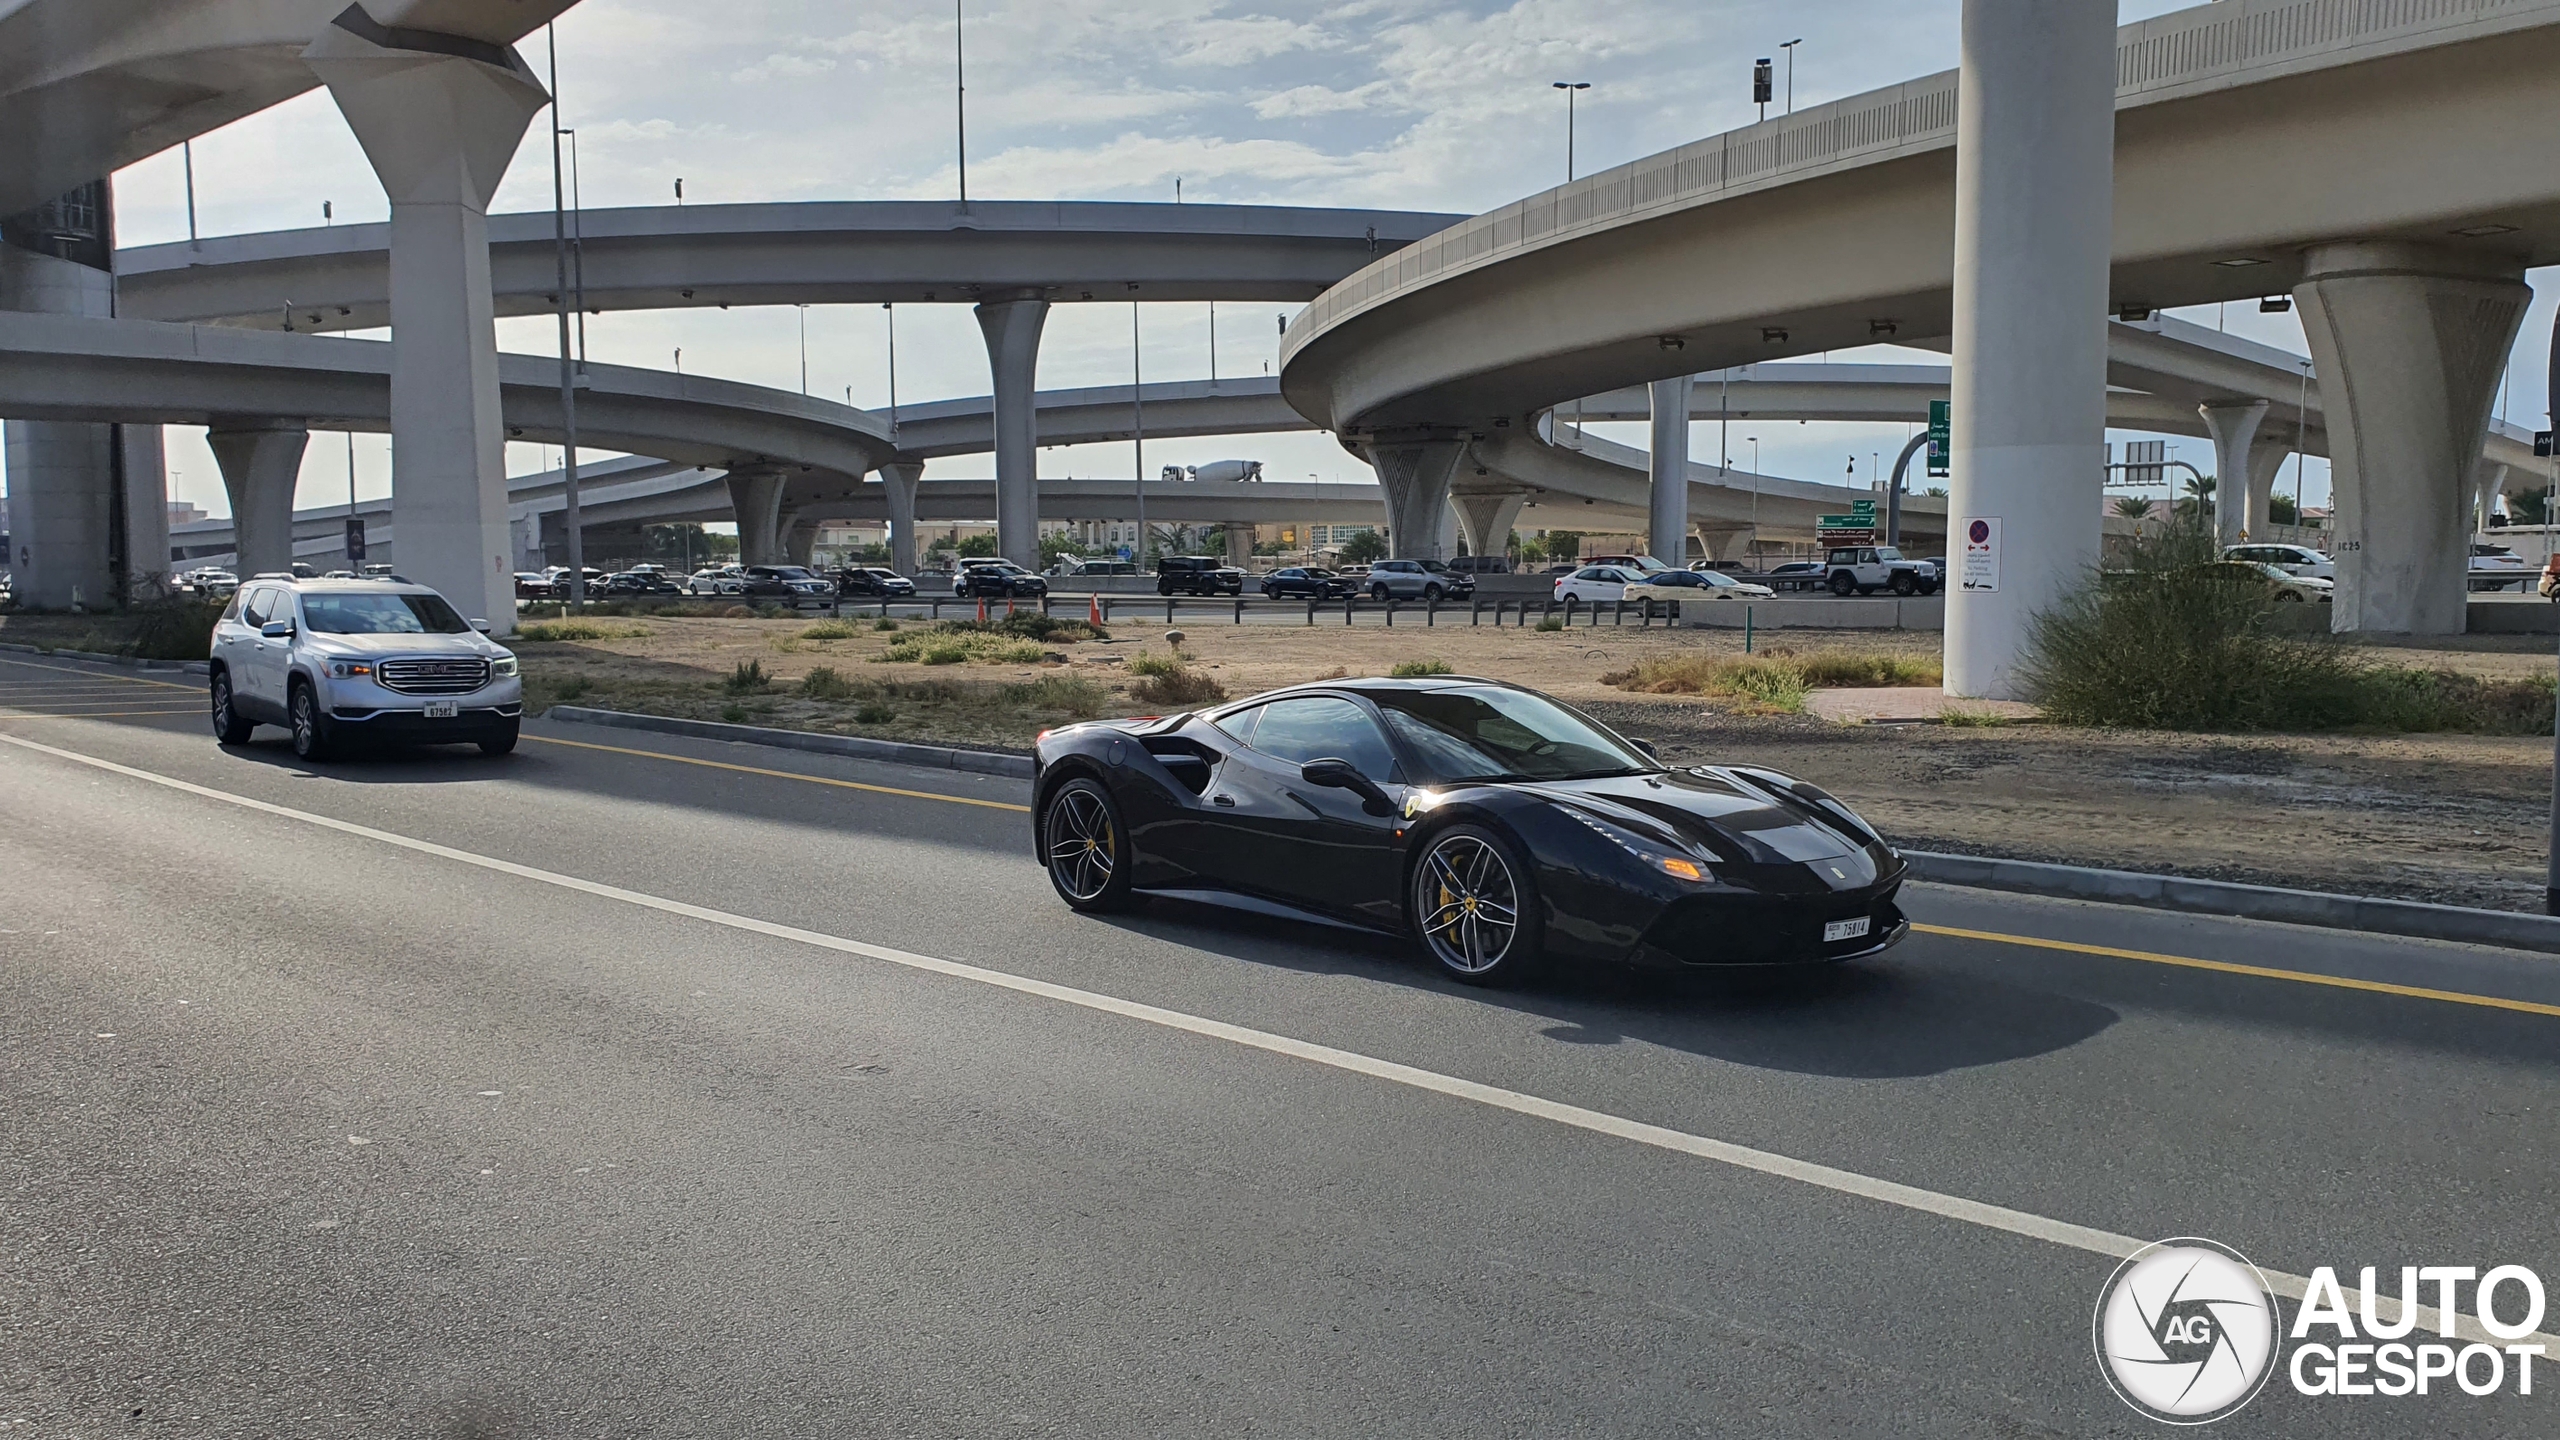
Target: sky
1406	104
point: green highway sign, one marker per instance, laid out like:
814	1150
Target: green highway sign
1938	425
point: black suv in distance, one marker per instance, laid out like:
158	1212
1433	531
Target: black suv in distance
1197	575
1310	581
792	584
873	580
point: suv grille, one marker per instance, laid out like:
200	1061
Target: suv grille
433	677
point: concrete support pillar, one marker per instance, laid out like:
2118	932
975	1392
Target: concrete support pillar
2035	205
1487	521
2407	340
439	126
900	480
1239	543
2233	424
799	539
146	513
1669	535
2493	484
1011	324
755	495
261	463
60	472
2266	462
1415	475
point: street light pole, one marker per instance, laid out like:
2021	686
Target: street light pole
1138	432
569	517
960	92
1790	48
1568	87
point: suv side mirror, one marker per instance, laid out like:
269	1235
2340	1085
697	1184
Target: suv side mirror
276	629
1334	774
480	625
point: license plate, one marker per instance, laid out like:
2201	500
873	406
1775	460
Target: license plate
447	709
1844	929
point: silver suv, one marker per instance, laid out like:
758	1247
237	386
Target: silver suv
336	661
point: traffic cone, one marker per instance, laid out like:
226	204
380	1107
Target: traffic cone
982	609
1093	611
1008	607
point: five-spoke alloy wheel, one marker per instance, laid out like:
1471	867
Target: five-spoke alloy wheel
1475	907
1084	847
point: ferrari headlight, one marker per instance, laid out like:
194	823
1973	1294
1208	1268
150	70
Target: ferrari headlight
1650	854
350	670
503	665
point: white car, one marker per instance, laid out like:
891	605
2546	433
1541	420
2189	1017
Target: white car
1695	585
723	580
1597	584
2291	559
335	661
2495	567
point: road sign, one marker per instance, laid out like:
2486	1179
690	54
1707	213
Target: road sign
1938	429
355	540
2143	461
2542	444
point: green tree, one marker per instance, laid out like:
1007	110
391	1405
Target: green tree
2529	507
2134	507
1054	548
1364	548
2281	510
2198	506
1564	544
978	547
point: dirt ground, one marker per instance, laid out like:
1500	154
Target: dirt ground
2458	819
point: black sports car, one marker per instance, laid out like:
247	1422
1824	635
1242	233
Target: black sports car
1496	825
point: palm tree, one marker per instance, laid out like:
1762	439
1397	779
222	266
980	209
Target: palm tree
2198	506
2134	507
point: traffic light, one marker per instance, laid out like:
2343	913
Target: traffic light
1764	79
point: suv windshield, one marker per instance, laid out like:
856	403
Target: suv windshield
378	614
1488	733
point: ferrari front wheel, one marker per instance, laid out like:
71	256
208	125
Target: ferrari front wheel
1475	907
1085	847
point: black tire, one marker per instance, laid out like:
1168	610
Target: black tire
1378	592
1430	592
1085	848
229	726
1164	587
502	743
1455	896
1843	584
310	727
1906	584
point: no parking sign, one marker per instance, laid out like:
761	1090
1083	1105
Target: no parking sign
1981	569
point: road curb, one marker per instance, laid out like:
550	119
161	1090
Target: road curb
938	757
2411	918
189	667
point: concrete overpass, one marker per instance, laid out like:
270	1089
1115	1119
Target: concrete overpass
2384	162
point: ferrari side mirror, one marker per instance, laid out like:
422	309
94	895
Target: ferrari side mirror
1334	774
1647	747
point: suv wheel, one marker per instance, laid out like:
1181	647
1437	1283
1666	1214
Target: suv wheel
1843	584
1378	591
1904	583
1430	592
310	728
228	726
1164	586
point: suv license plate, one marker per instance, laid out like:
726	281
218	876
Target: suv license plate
1844	929
447	709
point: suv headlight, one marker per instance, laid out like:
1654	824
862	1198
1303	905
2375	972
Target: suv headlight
350	670
504	665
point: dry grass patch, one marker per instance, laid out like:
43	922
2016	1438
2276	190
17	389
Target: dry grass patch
1776	681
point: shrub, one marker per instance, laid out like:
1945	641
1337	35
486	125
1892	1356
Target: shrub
748	678
1843	669
1968	717
831	630
1551	623
1759	676
1414	669
1143	663
884	623
178	629
823	683
873	712
734	713
570	687
1028	625
951	646
1073	694
737	612
1170	682
547	630
936	653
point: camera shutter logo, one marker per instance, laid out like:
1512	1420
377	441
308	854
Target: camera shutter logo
2186	1331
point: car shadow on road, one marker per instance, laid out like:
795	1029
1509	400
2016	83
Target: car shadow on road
377	764
1873	1019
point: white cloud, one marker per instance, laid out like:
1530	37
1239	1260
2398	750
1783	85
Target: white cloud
782	67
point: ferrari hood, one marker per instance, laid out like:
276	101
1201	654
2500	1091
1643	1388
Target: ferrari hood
1724	817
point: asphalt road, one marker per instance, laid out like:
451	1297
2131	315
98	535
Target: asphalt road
638	1086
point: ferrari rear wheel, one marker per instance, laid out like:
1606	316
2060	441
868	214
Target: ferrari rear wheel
1475	907
1085	847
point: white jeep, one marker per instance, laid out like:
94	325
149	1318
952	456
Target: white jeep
1865	569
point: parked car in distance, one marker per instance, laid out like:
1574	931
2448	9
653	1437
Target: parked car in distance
1418	580
1865	569
2495	567
793	584
1072	568
1796	575
1197	575
340	660
559	575
1644	563
874	581
209	581
1694	585
2289	589
2291	559
995	579
1481	564
718	580
530	584
641	582
1596	584
1305	582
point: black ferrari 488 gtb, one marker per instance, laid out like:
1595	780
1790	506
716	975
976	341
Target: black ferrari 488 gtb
1496	825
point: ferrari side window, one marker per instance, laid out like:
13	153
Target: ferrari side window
1238	725
1320	727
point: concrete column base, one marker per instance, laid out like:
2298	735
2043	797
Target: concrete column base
2407	340
261	465
799	539
1486	521
2266	464
1011	325
755	495
2234	428
900	480
146	513
1415	476
61	472
1668	535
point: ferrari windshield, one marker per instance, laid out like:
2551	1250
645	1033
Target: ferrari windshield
373	613
1490	733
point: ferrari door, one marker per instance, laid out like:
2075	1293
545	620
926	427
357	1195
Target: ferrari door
1309	845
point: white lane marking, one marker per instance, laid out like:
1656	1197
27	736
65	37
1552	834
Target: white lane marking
1598	1122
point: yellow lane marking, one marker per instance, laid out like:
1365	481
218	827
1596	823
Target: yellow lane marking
94	675
785	775
2262	972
